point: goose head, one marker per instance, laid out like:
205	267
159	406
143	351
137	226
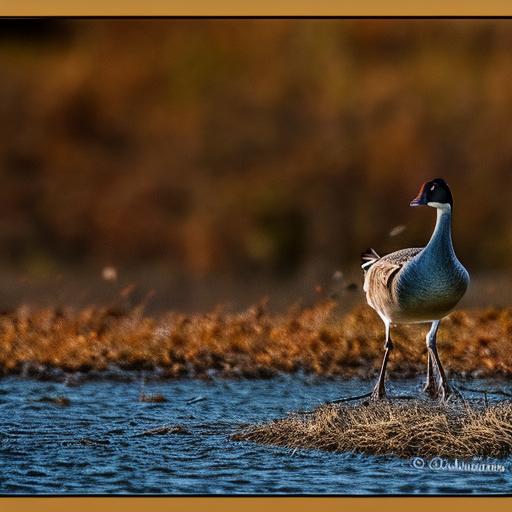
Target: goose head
435	193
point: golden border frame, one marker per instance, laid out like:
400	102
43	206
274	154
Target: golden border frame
254	504
260	8
263	8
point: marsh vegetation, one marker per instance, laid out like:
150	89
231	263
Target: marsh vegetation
256	343
405	428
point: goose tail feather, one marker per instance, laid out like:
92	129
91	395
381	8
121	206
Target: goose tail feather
368	258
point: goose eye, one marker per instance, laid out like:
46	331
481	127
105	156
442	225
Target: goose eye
432	188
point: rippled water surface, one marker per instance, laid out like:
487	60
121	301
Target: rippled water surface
95	443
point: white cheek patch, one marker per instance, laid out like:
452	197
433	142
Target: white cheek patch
440	206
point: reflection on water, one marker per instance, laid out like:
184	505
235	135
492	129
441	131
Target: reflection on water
102	439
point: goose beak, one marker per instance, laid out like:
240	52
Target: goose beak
421	198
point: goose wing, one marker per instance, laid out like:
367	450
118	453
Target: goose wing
379	276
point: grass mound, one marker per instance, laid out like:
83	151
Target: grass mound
403	428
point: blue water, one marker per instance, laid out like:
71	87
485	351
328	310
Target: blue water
95	444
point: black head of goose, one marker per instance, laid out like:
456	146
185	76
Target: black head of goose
435	193
418	285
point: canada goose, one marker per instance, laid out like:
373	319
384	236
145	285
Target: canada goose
418	285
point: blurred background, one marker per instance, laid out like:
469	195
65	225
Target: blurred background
192	162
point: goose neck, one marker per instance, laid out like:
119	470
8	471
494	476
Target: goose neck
441	240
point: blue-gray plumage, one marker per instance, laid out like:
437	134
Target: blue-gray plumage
419	285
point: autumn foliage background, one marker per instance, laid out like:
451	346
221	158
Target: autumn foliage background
216	159
191	196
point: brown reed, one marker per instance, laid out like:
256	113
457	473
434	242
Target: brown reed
255	343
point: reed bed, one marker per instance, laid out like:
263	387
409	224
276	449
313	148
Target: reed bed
255	343
416	428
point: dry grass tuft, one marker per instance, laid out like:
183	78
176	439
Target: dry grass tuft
166	429
58	400
152	399
405	429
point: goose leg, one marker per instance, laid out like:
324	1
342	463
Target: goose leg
379	391
443	390
431	385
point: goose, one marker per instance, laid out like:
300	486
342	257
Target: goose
418	285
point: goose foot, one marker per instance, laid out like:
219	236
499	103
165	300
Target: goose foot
437	383
378	393
442	392
430	389
448	392
431	384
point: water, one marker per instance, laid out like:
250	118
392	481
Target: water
94	445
